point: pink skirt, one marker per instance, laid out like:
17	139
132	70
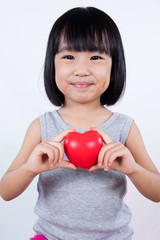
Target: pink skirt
38	237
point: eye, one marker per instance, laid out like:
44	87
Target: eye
70	57
96	57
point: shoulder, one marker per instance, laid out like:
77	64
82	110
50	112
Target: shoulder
123	117
134	140
49	123
34	127
134	136
122	125
120	120
48	118
32	137
33	133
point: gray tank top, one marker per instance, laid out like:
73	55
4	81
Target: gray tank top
82	205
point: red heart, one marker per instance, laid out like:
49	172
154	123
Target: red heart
82	148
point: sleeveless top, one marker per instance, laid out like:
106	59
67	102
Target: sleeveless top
82	205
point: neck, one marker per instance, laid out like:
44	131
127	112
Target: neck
82	110
84	116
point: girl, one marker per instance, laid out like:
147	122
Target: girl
84	71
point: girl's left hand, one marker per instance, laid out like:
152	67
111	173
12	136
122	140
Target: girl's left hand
114	155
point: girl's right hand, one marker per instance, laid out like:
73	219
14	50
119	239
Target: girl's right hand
49	155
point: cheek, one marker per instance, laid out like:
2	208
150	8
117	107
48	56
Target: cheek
58	79
105	84
59	82
106	80
61	72
59	76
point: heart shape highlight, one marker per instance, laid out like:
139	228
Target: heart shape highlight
82	149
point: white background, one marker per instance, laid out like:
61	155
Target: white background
24	30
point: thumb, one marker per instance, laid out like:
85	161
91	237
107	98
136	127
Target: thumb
104	136
62	135
67	164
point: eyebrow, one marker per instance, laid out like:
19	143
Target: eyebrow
64	49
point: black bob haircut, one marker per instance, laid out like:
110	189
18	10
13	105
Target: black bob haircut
86	29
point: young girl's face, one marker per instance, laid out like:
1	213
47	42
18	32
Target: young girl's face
82	76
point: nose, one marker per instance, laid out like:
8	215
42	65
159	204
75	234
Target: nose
81	68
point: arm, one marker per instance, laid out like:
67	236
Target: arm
17	178
131	159
33	158
145	177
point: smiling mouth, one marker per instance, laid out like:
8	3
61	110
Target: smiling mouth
81	85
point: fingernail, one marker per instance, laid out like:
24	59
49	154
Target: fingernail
52	165
60	160
105	169
99	164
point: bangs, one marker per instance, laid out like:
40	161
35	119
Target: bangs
85	33
86	41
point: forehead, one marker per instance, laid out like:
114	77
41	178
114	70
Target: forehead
62	45
83	43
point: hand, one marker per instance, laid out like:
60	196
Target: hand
49	155
114	155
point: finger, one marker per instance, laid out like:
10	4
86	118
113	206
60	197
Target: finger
62	135
60	148
95	167
47	154
118	154
55	149
105	137
103	151
51	158
67	164
112	155
56	154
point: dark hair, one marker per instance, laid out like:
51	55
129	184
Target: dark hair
86	29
